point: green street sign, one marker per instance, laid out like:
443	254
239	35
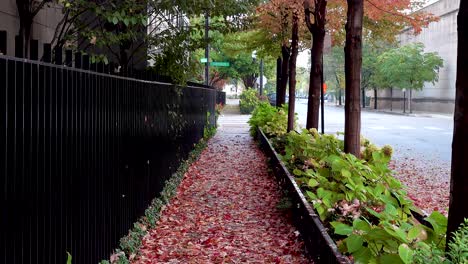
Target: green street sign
219	64
203	60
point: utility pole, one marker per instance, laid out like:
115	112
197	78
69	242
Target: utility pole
207	48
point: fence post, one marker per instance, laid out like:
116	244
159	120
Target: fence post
100	67
3	42
47	56
78	60
58	56
34	49
69	58
93	66
112	68
86	62
18	47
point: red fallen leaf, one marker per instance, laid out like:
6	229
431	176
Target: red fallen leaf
225	211
227	217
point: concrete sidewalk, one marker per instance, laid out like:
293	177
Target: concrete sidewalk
231	121
226	208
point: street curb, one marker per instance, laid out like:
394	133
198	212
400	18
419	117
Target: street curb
428	115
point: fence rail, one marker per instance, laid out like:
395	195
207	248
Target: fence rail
83	153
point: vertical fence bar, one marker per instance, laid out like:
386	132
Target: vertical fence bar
83	155
3	152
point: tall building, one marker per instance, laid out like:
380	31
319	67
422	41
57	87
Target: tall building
440	37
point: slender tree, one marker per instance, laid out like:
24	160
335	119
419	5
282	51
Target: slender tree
279	63
285	54
317	29
27	10
292	69
275	17
459	179
353	64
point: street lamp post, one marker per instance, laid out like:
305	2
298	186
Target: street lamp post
254	59
404	100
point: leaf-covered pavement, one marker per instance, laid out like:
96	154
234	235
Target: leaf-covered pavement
225	211
427	182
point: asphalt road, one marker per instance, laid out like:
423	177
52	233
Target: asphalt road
428	137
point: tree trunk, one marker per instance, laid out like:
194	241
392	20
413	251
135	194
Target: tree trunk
249	81
278	80
459	178
315	83
353	64
391	99
285	53
375	99
363	92
292	70
410	97
26	12
339	97
318	41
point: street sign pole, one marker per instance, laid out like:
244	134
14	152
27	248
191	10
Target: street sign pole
207	48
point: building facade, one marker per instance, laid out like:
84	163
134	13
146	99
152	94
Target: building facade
440	37
43	27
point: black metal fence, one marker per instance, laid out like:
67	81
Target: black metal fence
221	98
83	153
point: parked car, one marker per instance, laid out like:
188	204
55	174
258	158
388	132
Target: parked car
272	99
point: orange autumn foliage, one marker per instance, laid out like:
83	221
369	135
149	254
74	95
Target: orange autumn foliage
383	19
275	17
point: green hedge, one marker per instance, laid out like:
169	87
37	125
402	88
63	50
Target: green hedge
249	99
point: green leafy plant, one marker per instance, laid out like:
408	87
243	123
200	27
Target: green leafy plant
457	250
366	208
272	120
69	258
249	99
210	130
458	246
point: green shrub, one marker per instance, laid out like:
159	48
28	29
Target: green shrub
249	99
365	207
457	253
272	120
458	246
